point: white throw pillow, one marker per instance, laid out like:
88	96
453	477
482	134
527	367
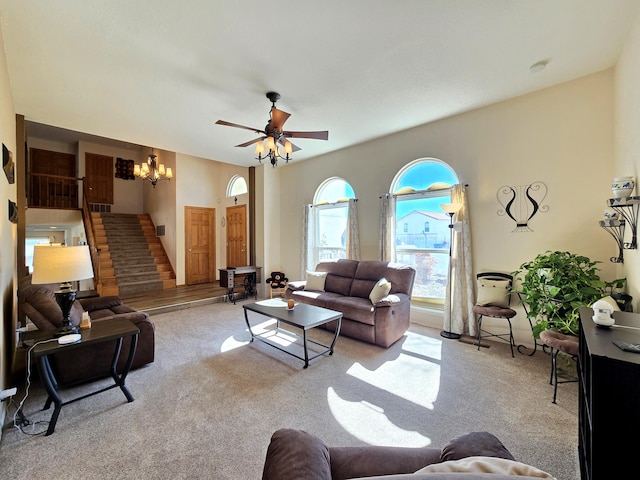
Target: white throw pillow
500	466
315	281
380	290
493	292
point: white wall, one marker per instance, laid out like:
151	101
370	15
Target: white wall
8	231
627	140
562	136
203	183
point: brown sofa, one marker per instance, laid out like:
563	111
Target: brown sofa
295	454
347	287
83	364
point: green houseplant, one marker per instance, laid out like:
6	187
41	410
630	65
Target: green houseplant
554	285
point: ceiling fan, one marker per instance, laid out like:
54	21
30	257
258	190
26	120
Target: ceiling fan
273	133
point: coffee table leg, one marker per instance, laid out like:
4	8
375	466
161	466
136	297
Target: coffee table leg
335	337
246	319
306	352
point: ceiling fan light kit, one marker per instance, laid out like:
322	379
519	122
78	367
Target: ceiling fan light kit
273	134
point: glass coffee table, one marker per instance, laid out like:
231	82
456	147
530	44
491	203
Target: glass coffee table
302	316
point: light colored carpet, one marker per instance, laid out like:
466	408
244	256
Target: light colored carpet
207	406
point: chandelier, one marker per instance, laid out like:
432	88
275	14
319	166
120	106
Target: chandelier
273	151
153	171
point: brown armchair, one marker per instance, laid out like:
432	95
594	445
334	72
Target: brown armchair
84	364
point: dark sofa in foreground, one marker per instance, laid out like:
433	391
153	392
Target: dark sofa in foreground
348	287
296	454
83	364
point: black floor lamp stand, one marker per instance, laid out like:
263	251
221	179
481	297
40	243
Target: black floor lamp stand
451	209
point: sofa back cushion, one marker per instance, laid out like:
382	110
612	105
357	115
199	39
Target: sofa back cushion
339	275
370	272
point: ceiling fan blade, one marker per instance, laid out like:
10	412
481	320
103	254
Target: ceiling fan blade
324	135
294	148
251	142
278	117
229	124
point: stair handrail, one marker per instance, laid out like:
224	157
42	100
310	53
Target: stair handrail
87	219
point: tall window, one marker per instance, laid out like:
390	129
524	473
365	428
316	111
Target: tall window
423	240
330	217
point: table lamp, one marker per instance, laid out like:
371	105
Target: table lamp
63	265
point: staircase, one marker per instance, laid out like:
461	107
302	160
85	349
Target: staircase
132	258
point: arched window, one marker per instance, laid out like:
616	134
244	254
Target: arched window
330	214
423	241
236	186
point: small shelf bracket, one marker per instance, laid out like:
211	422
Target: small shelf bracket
627	207
616	229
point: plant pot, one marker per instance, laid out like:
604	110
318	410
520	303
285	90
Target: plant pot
624	301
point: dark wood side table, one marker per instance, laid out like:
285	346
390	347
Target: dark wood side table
110	330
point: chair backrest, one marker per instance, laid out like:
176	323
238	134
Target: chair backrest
494	288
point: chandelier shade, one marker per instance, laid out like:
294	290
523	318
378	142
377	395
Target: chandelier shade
273	151
152	170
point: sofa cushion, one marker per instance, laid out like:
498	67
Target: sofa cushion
369	460
339	275
380	290
354	308
480	464
296	454
315	281
475	444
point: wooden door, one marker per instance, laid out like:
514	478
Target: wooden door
99	178
237	236
200	255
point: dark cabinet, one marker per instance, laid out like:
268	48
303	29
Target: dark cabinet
609	396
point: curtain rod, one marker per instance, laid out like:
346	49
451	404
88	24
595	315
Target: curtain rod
420	191
331	203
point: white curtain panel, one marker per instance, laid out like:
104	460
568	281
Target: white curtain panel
387	228
460	316
353	231
308	240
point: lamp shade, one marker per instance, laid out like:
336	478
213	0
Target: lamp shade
61	264
451	207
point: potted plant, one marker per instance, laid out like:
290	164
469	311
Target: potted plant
554	285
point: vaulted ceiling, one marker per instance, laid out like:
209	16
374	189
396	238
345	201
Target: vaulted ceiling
160	73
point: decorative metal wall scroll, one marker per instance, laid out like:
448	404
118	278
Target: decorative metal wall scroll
522	202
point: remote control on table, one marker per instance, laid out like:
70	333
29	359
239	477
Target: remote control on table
627	347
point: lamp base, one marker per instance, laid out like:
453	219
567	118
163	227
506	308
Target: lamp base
66	330
450	335
65	298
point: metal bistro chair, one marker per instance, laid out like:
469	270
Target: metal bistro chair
560	343
493	300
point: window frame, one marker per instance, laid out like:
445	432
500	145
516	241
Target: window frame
441	186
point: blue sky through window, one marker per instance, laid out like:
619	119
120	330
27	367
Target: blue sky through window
420	176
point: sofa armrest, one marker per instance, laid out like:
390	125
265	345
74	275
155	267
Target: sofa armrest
294	455
297	285
134	317
392	299
100	303
367	461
